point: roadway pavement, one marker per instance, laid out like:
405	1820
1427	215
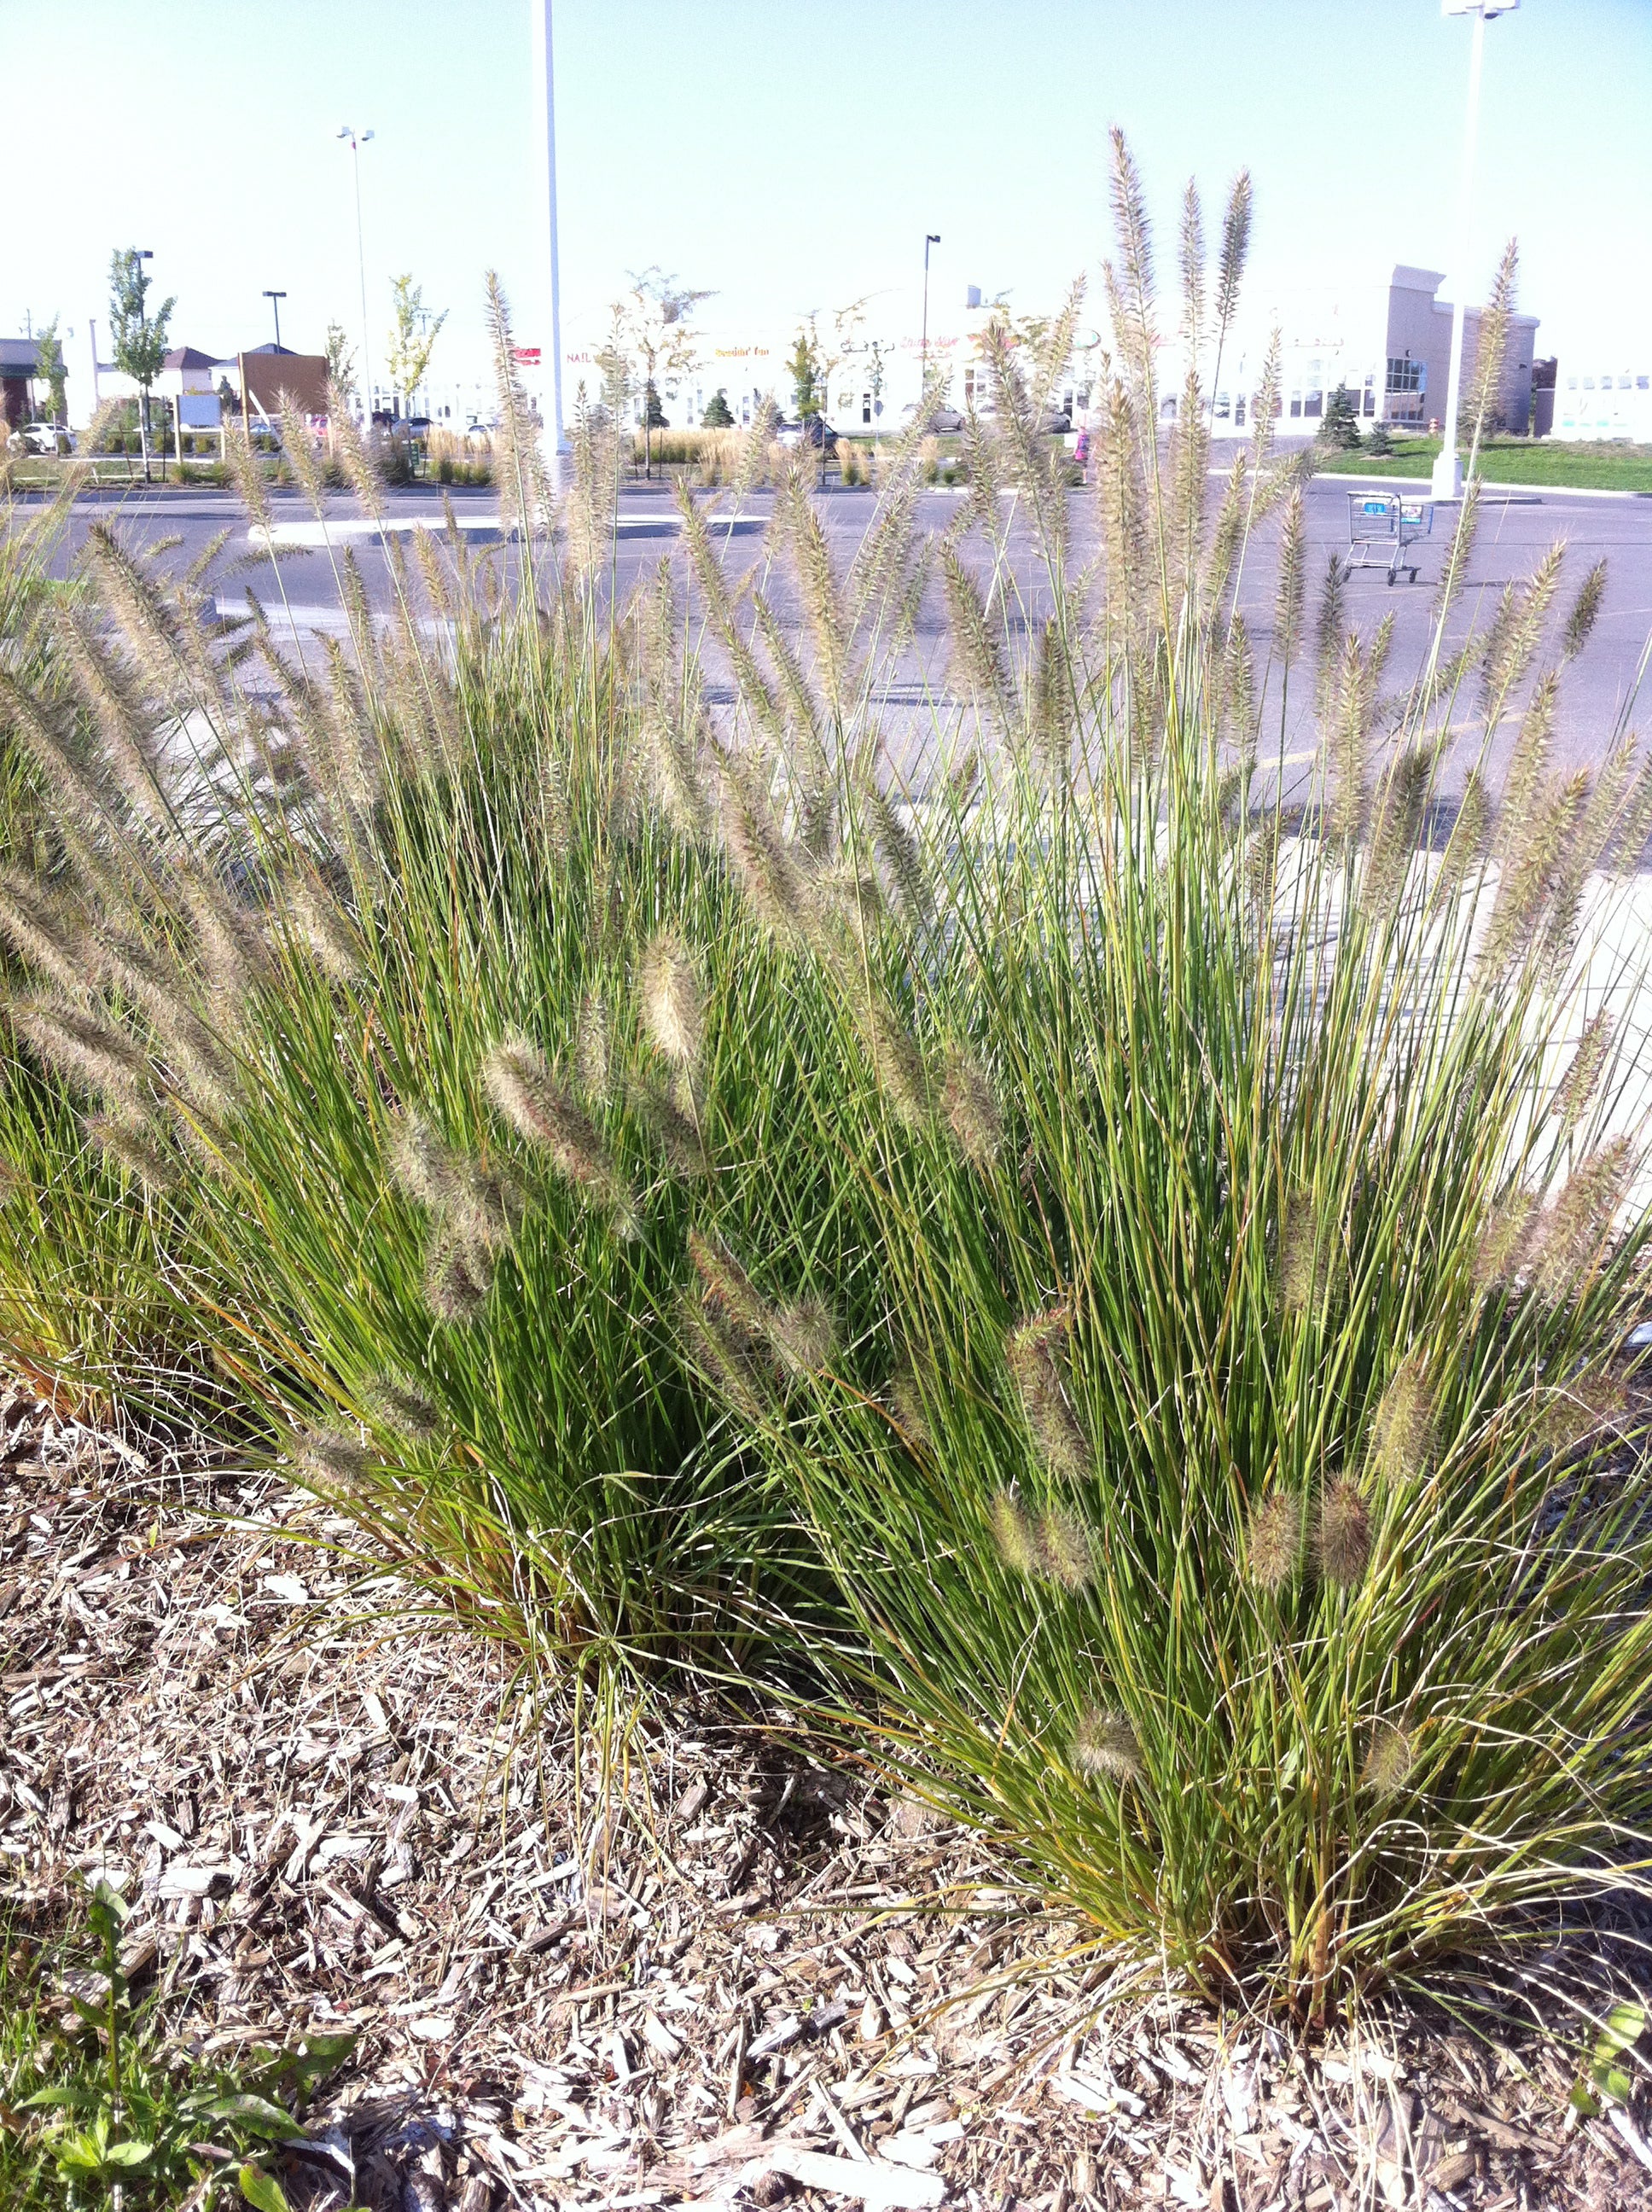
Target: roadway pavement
1600	695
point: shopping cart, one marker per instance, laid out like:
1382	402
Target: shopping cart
1383	527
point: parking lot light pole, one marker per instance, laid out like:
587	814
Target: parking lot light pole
356	144
930	238
1447	469
275	299
548	301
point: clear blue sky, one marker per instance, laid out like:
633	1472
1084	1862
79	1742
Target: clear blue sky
790	154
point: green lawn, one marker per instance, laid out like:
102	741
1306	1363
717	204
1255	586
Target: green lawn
1513	460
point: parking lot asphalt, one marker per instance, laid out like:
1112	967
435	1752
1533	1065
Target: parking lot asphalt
1600	697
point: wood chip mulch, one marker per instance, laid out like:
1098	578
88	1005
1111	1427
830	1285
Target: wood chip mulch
677	1961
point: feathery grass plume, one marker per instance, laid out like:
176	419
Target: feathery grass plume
1585	613
904	1395
1121	511
797	718
1273	1540
1468	845
1235	252
129	1144
1288	602
897	847
438	586
1349	704
230	939
726	1287
322	926
519	471
1575	1093
1264	411
817	821
897	1062
675	1129
1528	763
247	474
1190	257
361	470
1304	1263
1504	1240
1454	572
1402	1433
593	1049
672	1005
1330	631
1238	708
1065	1549
1635	827
1013	1537
710	1346
763	862
44	930
1397	827
804	538
1580	1410
976	644
422	1164
1132	283
804	1337
58	749
1390	1755
456	1280
89	1051
1491	342
969	1107
1052	703
1572	1233
1104	1746
1344	1536
331	1461
392	1401
298	448
1034	1352
1587	851
1517	631
1531	872
132	738
542	1109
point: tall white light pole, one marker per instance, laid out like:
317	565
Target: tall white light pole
1447	469
356	145
546	305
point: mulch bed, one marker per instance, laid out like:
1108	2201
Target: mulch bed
678	1959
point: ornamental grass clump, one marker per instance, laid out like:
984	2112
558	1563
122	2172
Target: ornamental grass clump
1192	1459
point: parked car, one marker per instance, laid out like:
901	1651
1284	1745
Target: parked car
942	420
46	438
814	430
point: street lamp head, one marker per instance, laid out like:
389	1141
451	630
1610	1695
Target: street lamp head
931	238
1486	7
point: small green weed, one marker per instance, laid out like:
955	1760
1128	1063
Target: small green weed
103	2106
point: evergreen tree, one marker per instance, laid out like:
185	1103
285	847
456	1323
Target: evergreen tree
719	415
653	415
1380	442
1340	427
49	369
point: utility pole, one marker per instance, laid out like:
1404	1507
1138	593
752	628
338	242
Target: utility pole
356	145
930	238
547	298
1448	470
275	299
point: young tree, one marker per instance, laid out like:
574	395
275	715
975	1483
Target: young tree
140	337
1381	440
413	334
654	318
719	415
875	374
1339	428
805	365
341	360
49	369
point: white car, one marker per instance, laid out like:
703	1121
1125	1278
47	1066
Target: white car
46	438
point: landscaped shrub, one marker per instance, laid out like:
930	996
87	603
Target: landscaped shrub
1229	1457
